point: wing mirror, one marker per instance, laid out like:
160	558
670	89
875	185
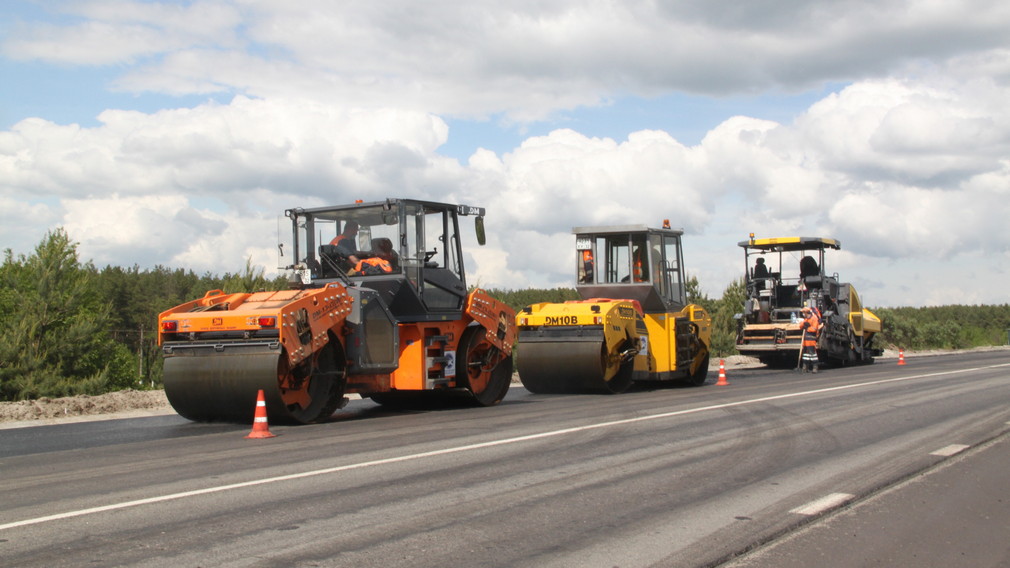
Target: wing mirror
478	224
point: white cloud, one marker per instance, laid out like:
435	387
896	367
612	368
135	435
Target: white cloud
901	222
23	223
128	187
566	178
305	148
169	231
202	187
103	32
524	60
914	131
339	101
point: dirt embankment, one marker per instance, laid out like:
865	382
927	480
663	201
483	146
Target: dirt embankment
138	403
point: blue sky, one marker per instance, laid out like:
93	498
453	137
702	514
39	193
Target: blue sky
174	133
67	95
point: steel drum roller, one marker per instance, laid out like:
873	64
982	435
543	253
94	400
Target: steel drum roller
204	385
207	384
561	365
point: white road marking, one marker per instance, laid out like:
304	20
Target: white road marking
470	448
823	504
950	450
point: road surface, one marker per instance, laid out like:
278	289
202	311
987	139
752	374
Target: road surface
677	477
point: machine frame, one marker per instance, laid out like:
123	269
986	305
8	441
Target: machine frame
411	332
633	323
769	326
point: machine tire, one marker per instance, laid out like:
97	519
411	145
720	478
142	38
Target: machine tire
325	389
623	380
861	356
698	378
482	368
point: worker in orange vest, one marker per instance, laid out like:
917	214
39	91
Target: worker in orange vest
638	267
346	237
587	267
345	242
811	327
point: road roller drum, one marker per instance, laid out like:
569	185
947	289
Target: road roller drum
593	353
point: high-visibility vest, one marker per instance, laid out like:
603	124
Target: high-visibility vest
586	270
810	326
372	265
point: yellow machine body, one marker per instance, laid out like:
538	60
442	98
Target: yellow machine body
633	323
792	276
667	350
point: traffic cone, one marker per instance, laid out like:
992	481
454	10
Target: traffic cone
722	374
260	428
901	356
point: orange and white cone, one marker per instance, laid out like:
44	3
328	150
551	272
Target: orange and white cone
901	356
260	428
722	374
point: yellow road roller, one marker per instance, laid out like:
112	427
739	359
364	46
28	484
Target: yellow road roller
633	323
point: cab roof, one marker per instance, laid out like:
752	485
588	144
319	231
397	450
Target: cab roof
371	212
623	229
791	243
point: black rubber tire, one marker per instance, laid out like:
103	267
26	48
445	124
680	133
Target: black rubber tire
482	368
700	375
326	388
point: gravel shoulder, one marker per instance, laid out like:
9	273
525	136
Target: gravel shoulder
131	403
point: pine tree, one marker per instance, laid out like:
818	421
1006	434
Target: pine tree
54	328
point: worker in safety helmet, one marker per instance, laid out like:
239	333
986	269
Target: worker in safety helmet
811	327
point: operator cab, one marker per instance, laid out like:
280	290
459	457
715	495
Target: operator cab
784	274
633	262
407	250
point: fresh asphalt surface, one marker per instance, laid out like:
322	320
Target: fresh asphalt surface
879	465
956	514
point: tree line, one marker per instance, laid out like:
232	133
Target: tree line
68	327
